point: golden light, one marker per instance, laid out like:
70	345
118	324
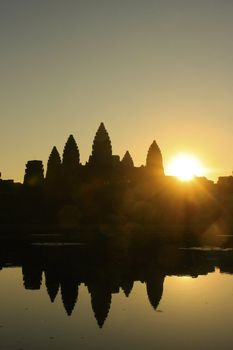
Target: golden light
185	167
186	278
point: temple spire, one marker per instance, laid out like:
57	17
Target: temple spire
70	159
154	287
53	165
127	161
102	148
154	160
101	298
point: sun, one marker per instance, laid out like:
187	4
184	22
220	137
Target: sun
185	167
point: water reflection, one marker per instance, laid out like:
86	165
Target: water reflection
65	268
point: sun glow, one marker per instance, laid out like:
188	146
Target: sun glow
185	167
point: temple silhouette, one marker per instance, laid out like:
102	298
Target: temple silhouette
109	196
102	165
62	270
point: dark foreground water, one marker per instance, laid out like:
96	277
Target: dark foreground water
45	307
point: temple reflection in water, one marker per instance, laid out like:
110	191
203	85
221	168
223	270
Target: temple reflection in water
65	268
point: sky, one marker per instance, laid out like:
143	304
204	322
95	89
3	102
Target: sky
148	69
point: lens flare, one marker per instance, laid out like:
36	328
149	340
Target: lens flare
185	167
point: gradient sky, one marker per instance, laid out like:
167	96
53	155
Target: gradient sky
148	69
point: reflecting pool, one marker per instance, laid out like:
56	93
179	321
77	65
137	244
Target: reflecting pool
65	298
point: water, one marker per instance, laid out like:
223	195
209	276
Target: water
111	305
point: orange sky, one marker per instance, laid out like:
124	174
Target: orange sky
148	69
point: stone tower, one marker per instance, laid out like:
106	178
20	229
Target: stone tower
70	159
127	161
53	166
34	173
102	149
154	160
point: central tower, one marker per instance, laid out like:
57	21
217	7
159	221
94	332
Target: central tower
101	149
